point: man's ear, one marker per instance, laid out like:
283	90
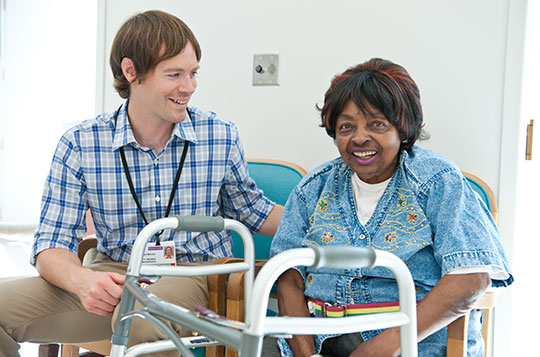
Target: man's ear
128	68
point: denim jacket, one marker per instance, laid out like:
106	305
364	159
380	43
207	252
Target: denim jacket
428	216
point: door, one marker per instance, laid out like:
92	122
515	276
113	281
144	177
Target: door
519	194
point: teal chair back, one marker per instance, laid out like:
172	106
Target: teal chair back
277	179
485	193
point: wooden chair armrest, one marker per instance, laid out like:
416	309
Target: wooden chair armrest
456	344
235	293
235	299
217	287
488	300
458	330
216	299
85	245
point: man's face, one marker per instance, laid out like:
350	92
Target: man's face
164	94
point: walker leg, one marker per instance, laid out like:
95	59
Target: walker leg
251	346
120	335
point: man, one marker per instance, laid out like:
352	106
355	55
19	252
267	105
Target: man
153	157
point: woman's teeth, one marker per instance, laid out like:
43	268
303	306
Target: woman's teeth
364	154
179	101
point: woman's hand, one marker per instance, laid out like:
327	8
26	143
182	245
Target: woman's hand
291	302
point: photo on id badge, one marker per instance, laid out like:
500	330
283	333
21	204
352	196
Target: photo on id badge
164	253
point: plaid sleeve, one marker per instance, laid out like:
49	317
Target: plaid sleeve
63	204
241	198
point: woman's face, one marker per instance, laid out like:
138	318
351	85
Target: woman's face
369	144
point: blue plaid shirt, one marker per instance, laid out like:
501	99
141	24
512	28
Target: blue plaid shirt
86	172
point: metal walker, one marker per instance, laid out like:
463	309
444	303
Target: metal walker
247	337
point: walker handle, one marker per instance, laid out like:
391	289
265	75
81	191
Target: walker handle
343	257
199	224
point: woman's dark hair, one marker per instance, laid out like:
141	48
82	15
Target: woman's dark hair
382	85
148	38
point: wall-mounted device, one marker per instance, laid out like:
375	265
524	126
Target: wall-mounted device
266	69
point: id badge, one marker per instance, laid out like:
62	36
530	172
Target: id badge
163	254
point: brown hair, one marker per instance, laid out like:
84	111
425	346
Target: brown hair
148	38
381	84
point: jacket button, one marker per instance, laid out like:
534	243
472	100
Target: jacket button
362	236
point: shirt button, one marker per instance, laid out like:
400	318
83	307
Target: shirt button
362	236
158	198
156	161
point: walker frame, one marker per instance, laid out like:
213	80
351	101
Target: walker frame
247	337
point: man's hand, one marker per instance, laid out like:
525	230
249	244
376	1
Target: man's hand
99	292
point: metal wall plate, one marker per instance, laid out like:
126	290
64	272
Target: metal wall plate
265	69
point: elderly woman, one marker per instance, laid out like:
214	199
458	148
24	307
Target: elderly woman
386	192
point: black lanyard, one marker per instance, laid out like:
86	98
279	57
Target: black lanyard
130	182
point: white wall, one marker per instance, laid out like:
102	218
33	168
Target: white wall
50	67
453	49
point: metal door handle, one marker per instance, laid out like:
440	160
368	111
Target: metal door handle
528	148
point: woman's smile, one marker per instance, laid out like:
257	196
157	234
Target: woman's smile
365	157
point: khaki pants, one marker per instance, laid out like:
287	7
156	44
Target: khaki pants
33	310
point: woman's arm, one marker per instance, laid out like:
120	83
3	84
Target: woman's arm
291	302
452	297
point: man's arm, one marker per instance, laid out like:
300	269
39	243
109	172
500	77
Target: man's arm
271	224
99	292
452	297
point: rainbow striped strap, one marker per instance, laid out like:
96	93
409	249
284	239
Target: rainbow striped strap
319	308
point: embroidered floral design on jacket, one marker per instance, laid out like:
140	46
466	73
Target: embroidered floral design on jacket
408	217
322	205
327	237
309	280
412	217
390	237
325	221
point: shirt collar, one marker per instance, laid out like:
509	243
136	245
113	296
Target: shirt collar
123	133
